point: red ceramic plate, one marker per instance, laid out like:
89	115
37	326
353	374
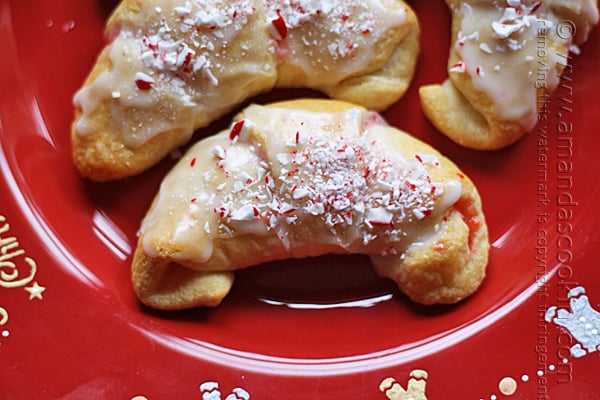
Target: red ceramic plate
326	328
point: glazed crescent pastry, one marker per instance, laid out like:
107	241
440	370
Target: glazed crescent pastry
173	66
305	178
506	59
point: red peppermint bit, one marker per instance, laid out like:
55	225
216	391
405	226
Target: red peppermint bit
289	211
345	17
461	176
349	195
143	85
294	189
419	159
367	173
188	58
439	246
535	7
297	137
381	223
193	162
280	27
236	129
366	31
234	16
432	190
427	212
255	211
348	217
459	67
221	212
478	70
412	186
193	200
293	172
151	46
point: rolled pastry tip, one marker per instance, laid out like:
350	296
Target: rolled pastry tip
506	60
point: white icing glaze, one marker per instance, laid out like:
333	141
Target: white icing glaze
504	46
194	61
335	173
331	40
177	65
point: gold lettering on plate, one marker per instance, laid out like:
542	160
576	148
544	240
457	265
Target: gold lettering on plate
17	269
10	254
3	316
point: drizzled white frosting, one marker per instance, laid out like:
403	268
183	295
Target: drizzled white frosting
180	64
506	48
304	177
174	67
330	40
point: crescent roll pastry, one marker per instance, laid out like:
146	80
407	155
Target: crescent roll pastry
506	59
305	178
173	66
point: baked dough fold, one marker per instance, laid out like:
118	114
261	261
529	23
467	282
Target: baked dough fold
506	59
174	66
305	178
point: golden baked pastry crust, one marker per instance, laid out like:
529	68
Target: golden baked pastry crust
439	256
120	130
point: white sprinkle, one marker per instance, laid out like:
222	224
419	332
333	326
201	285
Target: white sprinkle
210	77
218	152
525	378
574	49
116	94
473	36
418	214
184	11
300	193
140	76
485	48
282	158
503	31
379	216
244	213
